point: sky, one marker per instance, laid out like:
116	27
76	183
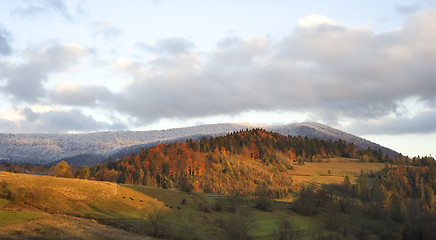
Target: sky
364	67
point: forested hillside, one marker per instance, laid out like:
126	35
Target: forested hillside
241	163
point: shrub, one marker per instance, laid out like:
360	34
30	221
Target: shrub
5	192
306	203
218	205
240	224
285	231
263	204
204	208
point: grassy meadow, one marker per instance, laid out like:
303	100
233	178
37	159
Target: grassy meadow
47	207
318	172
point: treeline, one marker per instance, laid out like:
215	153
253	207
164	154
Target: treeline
236	164
397	203
28	168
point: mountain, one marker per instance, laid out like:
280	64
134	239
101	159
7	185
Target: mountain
89	148
324	132
98	146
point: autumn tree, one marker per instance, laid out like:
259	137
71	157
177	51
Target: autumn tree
85	172
62	169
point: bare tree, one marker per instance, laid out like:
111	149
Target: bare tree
157	221
285	230
239	225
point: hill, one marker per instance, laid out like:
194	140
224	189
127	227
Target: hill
244	163
44	207
83	209
89	148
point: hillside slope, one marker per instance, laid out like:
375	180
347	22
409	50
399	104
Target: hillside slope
89	148
324	132
77	197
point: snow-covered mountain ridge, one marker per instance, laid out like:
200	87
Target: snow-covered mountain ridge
93	147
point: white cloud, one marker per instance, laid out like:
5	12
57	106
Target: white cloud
315	20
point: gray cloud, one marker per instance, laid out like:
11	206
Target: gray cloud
105	29
25	81
56	122
81	8
331	70
38	7
406	9
424	122
170	46
5	37
80	95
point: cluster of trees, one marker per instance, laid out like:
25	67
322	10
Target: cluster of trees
397	203
25	168
239	163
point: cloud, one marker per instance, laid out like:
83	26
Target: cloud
5	37
105	29
169	46
326	69
55	121
25	81
408	9
75	94
38	7
81	8
314	21
332	70
424	122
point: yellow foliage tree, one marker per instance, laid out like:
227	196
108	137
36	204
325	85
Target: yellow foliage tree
62	169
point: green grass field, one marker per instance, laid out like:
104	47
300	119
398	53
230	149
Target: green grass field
9	217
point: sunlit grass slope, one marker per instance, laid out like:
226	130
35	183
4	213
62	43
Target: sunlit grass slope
65	227
318	172
78	197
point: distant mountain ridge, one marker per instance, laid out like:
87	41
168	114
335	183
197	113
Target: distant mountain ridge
89	148
324	132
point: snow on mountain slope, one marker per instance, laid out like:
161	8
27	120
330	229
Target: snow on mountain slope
324	132
46	148
93	147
